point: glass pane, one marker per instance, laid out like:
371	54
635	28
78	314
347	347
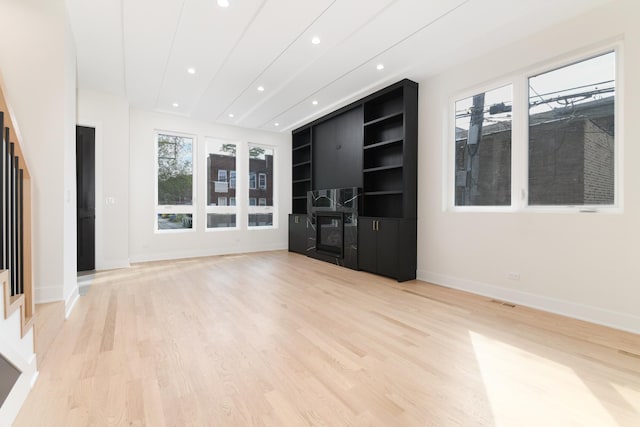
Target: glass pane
483	149
175	170
221	220
571	134
175	221
220	184
260	219
260	186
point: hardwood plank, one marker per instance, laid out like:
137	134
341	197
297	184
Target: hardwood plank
275	339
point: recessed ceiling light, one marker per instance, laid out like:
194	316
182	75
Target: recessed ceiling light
223	3
314	102
260	88
191	70
175	104
380	67
315	40
231	115
276	124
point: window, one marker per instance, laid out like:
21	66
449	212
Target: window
483	149
174	182
221	157
572	134
548	137
232	179
261	167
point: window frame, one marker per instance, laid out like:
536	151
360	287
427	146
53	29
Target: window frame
217	209
175	209
556	64
520	136
256	209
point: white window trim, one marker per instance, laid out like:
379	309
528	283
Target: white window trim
273	210
175	209
221	209
520	137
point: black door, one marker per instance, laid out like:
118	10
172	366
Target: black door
367	245
298	233
387	231
85	181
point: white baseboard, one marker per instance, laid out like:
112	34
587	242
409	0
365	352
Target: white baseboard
112	264
197	254
622	321
70	302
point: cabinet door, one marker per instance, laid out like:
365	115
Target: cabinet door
367	245
298	233
387	233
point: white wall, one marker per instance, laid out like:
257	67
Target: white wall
109	115
146	245
70	230
37	61
583	265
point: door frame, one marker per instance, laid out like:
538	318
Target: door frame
98	235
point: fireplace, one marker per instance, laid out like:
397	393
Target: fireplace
330	233
332	219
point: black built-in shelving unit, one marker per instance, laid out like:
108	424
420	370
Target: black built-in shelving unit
301	169
378	135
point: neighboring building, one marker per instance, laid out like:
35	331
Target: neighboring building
571	158
221	188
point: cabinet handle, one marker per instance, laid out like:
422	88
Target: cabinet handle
297	220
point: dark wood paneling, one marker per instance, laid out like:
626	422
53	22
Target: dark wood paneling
337	151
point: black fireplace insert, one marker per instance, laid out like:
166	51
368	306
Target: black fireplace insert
330	233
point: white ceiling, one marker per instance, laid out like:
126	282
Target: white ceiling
142	49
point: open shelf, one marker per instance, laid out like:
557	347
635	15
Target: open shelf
382	168
295	165
300	156
383	204
384	106
384	131
301	147
301	139
383	143
397	115
385	179
382	193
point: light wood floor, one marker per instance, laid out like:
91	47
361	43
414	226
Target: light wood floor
277	339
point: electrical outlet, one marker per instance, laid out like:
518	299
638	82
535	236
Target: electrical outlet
513	275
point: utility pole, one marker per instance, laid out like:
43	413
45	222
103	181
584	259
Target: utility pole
472	158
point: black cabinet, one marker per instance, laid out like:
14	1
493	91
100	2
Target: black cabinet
370	144
298	233
385	247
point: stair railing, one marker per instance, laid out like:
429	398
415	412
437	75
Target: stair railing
15	222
